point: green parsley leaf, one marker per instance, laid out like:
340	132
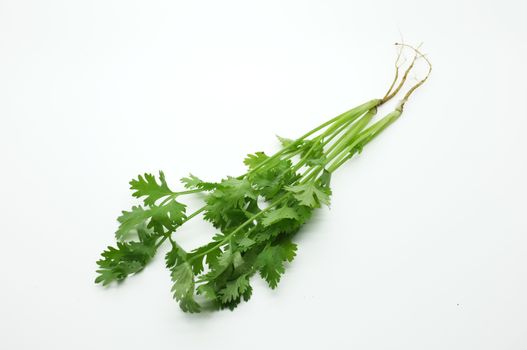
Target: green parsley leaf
147	186
246	243
166	217
234	289
127	258
193	182
278	214
176	256
130	220
253	160
183	287
310	194
271	260
285	142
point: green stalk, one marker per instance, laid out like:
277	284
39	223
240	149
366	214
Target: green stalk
361	121
337	147
169	235
363	138
348	137
342	118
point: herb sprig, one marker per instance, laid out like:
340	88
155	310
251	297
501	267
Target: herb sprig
256	214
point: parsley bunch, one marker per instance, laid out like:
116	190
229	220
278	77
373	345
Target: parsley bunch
256	215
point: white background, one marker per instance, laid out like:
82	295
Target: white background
424	247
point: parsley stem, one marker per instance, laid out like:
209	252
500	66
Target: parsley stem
363	138
341	144
169	234
360	114
355	129
337	132
181	193
342	118
197	190
352	112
